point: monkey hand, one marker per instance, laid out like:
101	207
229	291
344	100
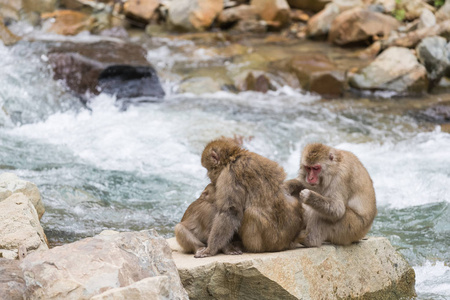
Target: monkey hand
304	195
203	252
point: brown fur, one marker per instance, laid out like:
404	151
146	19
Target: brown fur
193	231
251	200
341	208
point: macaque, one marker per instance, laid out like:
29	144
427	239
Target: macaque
337	194
193	231
251	201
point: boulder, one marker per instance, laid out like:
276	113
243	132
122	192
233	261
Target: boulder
427	19
387	5
258	81
395	69
155	288
67	22
313	5
370	269
141	9
112	261
359	24
10	10
435	56
444	12
194	14
231	16
19	225
40	6
11	184
315	73
12	283
320	23
276	12
115	68
413	8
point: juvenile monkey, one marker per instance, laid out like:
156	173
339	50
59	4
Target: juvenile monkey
250	199
337	193
193	231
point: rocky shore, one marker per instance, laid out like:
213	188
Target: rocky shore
143	265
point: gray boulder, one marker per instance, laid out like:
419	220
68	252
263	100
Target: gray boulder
395	69
112	261
370	269
435	56
10	184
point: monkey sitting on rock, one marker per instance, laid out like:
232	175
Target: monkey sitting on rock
337	193
247	198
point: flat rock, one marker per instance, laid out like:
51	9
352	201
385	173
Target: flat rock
370	269
12	283
10	184
110	261
19	225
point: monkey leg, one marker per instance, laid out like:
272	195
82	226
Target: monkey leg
187	240
351	228
251	231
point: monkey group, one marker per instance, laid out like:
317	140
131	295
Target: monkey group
248	206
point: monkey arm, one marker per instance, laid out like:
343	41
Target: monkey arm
293	187
329	208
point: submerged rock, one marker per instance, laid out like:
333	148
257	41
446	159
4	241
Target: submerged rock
370	269
396	69
6	36
11	184
360	24
119	263
438	114
19	225
119	69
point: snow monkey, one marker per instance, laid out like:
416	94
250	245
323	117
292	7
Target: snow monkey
250	199
193	231
337	194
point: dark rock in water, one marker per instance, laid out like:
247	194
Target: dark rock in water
438	114
131	83
119	69
12	282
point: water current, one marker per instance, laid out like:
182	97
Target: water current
98	167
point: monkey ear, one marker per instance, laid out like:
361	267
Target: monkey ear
331	156
215	157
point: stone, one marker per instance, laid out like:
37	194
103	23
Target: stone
313	5
413	8
395	69
10	10
434	55
6	36
66	22
315	73
115	262
100	66
12	282
321	22
370	269
141	9
277	11
19	225
388	5
437	114
427	19
257	81
155	288
443	13
40	6
194	15
231	16
11	184
200	85
359	24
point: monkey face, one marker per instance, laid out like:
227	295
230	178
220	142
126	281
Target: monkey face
312	174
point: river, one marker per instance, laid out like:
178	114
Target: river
98	167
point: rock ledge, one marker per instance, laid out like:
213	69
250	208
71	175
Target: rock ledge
370	269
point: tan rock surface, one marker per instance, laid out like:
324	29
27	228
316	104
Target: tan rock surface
194	14
370	269
19	225
10	184
142	9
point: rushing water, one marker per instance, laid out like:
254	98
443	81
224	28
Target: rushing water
101	168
